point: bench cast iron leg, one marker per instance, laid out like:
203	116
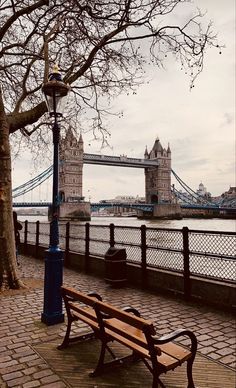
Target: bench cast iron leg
66	340
99	368
191	360
157	382
190	373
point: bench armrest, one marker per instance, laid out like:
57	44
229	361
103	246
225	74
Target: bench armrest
95	295
130	309
176	334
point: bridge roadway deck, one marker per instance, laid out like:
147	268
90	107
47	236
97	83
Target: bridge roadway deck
29	358
120	161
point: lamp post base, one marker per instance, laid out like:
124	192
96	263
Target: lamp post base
52	319
52	311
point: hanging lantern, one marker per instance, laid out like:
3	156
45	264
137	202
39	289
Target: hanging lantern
55	92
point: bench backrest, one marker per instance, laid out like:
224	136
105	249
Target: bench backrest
123	316
78	296
135	332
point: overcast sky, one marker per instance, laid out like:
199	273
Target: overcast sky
199	125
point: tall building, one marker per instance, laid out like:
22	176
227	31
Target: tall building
71	168
158	179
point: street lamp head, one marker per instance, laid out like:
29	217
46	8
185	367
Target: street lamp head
55	92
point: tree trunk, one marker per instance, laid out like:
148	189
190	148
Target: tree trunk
8	266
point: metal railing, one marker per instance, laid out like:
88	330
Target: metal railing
208	254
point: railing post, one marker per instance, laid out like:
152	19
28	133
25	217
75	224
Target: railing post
67	245
87	240
144	255
25	237
187	281
37	240
112	235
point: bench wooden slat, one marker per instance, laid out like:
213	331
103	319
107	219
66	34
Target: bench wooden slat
85	311
133	320
130	332
165	360
85	314
130	344
176	351
77	295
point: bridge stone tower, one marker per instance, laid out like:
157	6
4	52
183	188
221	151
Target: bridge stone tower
158	182
158	179
72	205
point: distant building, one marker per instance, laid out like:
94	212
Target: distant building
125	199
119	210
228	198
202	192
231	193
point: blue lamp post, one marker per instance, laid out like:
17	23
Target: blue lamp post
55	91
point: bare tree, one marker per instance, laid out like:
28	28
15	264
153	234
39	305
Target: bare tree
102	48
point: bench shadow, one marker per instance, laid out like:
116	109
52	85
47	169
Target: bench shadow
74	364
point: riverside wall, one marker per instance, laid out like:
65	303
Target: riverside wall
203	290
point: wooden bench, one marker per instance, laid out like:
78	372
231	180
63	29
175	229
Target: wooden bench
109	324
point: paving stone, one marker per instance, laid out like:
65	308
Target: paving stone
32	384
7	364
203	337
30	371
225	351
207	350
57	384
219	345
50	379
29	358
4	359
43	373
23	349
15	346
18	382
208	342
214	356
231	341
11	376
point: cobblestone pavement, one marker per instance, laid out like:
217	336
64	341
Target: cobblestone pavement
21	327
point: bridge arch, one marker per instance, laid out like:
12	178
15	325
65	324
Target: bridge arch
154	198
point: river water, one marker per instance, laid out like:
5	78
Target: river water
212	224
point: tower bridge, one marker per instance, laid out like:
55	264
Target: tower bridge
160	196
156	165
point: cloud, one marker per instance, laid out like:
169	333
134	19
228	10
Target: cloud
227	120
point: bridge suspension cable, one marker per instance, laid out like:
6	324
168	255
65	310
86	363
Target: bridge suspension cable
180	195
190	191
32	183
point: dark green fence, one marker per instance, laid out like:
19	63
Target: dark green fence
208	254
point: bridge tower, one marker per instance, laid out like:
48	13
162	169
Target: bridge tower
158	183
71	167
72	204
158	179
